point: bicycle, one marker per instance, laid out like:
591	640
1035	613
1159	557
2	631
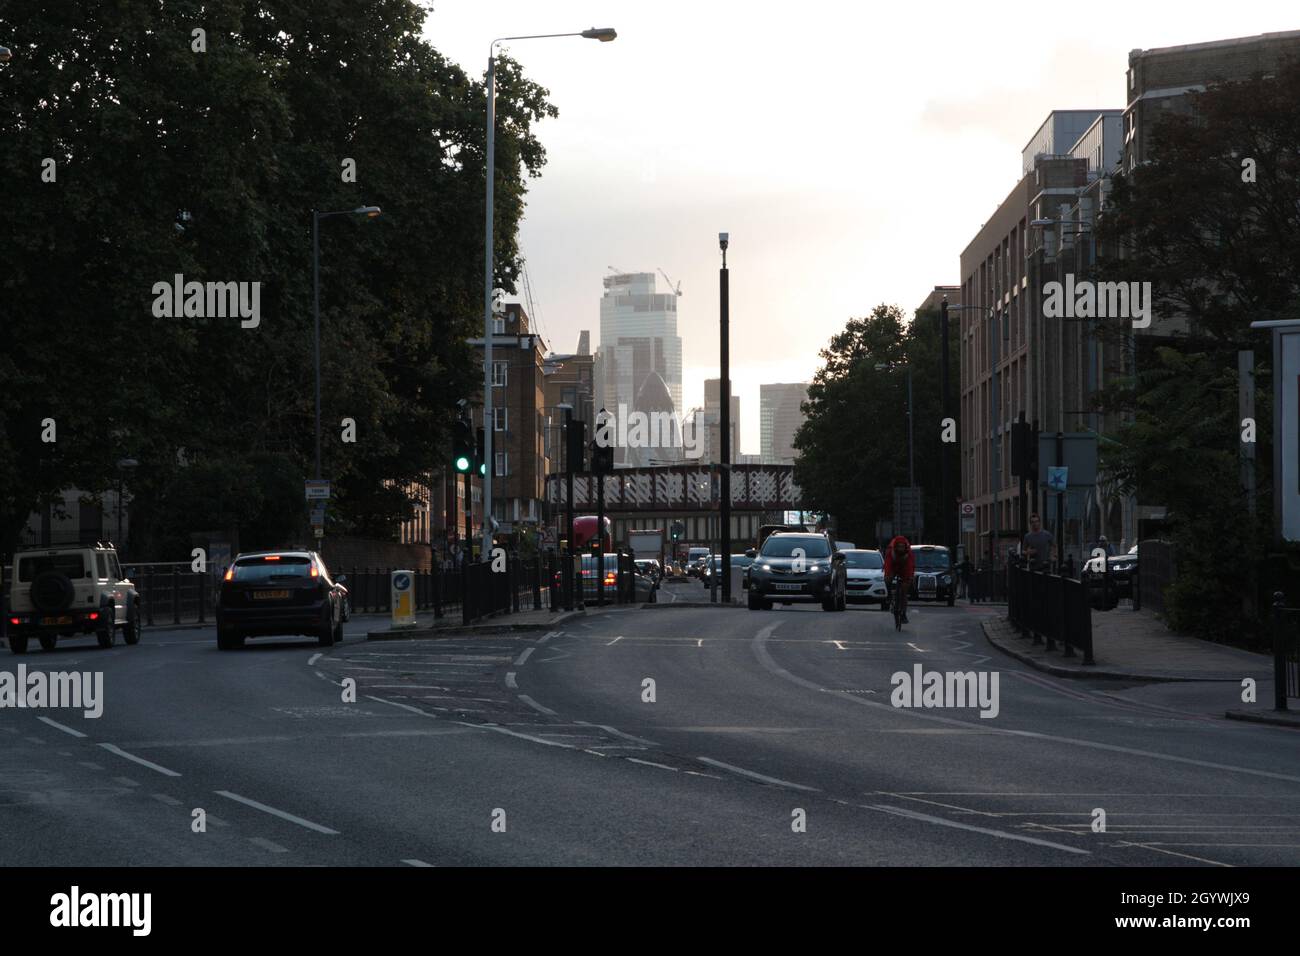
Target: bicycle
898	600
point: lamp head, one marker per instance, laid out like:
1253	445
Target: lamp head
603	34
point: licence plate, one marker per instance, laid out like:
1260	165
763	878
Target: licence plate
270	595
789	587
58	619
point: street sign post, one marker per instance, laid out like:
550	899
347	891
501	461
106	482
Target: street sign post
317	489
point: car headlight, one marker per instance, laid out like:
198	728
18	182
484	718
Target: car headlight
815	568
767	567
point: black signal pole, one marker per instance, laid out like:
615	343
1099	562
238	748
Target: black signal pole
724	398
945	454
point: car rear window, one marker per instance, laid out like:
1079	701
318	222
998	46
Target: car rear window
870	560
73	565
281	568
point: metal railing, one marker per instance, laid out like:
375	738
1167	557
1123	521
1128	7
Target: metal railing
1286	651
1051	608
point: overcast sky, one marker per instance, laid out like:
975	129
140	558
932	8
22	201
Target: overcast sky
850	149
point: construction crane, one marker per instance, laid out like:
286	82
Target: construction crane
676	288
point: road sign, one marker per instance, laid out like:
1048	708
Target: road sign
549	537
318	514
320	532
317	489
1057	477
968	509
967	524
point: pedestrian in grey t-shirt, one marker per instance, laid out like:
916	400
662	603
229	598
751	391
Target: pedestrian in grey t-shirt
1038	545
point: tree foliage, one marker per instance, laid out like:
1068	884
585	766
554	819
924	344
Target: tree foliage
248	138
853	447
1221	252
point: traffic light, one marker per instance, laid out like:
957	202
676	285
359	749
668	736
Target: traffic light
462	447
480	454
602	458
677	530
576	453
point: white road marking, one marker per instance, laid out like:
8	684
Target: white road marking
58	726
90	765
918	650
536	706
756	776
618	733
1001	834
651	763
615	641
266	844
414	862
140	760
839	645
523	658
166	798
548	635
283	815
497	728
765	658
34	740
314	658
510	681
1185	856
126	781
699	642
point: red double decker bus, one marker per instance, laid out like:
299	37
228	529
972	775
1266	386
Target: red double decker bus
584	533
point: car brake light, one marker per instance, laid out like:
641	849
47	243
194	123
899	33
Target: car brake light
230	573
315	571
94	615
271	557
15	620
610	577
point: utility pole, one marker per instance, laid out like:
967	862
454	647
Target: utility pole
945	458
724	389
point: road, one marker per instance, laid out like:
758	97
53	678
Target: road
771	739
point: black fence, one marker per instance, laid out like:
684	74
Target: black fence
1286	651
987	584
1051	608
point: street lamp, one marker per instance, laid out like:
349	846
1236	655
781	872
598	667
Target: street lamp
604	35
370	212
911	458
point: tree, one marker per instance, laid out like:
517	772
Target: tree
853	442
245	139
1221	252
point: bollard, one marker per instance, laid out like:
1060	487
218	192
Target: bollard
1279	652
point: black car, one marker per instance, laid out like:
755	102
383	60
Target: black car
934	579
279	592
796	568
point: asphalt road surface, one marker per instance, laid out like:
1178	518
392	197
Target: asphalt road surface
673	735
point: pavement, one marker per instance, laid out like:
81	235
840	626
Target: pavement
630	737
1133	645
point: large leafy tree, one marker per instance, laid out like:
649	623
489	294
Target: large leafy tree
1221	251
853	444
247	138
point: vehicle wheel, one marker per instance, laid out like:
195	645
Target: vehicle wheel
228	639
18	643
347	608
338	632
132	629
952	599
829	603
106	633
765	605
325	637
48	641
753	601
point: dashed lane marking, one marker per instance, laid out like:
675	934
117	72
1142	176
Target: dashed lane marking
267	845
282	814
140	760
761	778
58	726
510	681
536	706
414	862
523	658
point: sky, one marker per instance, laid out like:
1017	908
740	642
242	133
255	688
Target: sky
850	150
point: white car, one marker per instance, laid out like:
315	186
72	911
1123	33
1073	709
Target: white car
866	578
70	591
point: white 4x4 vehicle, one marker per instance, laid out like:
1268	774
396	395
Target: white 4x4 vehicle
59	592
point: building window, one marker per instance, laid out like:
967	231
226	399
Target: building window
498	325
499	372
502	464
498	419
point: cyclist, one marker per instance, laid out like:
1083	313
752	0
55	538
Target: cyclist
900	562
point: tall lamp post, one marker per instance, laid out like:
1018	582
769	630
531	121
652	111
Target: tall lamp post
370	212
911	457
604	35
724	400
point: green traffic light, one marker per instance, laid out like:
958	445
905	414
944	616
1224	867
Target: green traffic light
462	464
482	468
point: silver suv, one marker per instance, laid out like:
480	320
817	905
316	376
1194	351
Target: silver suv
61	592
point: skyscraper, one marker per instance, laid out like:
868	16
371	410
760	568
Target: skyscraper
712	423
638	339
779	417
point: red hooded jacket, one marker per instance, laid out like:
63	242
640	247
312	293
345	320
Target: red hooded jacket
905	569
